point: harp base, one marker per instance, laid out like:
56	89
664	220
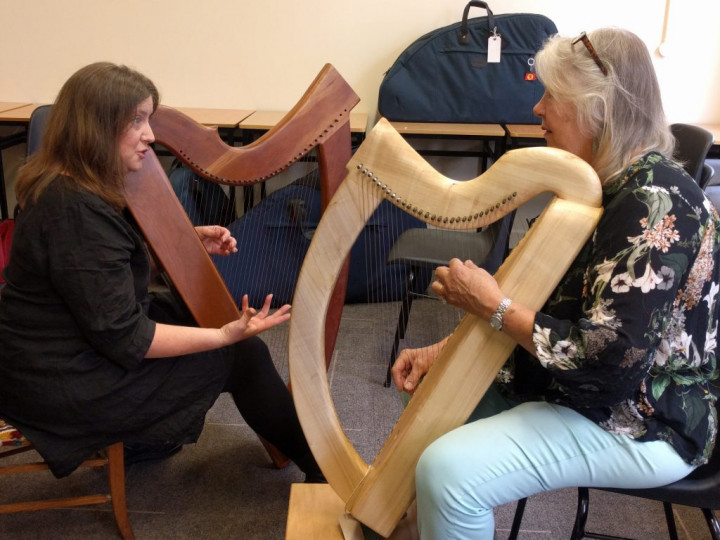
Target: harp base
316	511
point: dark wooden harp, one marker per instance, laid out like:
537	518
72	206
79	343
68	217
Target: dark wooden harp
319	121
387	168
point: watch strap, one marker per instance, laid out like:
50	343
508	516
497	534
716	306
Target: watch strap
500	312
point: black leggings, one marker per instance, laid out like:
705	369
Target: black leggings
256	387
265	403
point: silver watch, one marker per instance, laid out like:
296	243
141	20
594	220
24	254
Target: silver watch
496	319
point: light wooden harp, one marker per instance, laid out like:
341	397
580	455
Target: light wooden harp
386	167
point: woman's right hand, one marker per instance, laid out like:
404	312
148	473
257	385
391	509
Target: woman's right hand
412	364
252	322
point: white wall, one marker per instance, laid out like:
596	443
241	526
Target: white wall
263	54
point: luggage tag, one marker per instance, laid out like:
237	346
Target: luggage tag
530	74
494	43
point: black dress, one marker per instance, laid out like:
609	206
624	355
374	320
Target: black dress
74	330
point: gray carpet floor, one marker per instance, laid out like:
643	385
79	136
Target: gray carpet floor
224	487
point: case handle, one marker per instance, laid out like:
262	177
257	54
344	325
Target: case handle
463	38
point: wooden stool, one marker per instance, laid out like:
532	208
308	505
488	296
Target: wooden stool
317	513
111	457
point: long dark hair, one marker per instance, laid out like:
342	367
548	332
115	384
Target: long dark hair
92	110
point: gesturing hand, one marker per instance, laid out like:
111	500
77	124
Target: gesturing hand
252	322
217	240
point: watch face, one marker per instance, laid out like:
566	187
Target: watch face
495	322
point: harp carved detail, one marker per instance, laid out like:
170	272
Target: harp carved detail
478	219
315	138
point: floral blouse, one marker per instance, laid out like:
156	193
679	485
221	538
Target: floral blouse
629	337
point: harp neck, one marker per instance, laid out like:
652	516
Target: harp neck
403	177
322	113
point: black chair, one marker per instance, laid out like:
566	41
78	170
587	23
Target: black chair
691	148
712	185
707	174
700	489
425	249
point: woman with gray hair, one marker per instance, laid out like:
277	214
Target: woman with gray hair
610	385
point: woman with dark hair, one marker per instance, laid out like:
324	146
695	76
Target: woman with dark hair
610	385
89	357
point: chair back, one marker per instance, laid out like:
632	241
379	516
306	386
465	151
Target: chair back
707	174
36	128
501	248
701	488
691	147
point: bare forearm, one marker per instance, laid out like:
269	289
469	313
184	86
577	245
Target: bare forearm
178	340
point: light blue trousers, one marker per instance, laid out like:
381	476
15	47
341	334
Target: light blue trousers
523	450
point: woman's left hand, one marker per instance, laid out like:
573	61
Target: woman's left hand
253	322
217	240
467	286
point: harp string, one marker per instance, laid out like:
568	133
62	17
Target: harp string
319	122
428	320
265	234
272	237
386	284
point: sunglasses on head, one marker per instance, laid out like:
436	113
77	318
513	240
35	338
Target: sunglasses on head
589	46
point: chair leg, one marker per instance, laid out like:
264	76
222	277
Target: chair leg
517	520
116	480
581	516
670	518
712	522
583	505
405	306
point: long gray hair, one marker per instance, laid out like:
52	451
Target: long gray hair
621	110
